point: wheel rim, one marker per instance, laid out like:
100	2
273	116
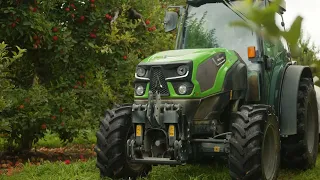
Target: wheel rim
310	129
269	153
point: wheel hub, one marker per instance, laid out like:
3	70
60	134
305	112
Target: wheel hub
269	153
310	129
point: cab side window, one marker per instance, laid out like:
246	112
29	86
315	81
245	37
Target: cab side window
279	48
283	48
270	48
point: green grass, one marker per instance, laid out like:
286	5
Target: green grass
83	171
56	171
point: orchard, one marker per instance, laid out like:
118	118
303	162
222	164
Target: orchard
64	62
76	59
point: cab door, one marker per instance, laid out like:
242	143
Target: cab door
278	59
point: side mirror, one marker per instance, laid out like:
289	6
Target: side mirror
170	21
282	6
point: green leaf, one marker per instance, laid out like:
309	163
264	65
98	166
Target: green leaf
294	33
26	23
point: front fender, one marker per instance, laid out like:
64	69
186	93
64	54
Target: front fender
288	99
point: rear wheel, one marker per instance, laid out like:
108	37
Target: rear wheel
301	150
112	137
254	144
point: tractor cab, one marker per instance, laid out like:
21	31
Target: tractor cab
206	24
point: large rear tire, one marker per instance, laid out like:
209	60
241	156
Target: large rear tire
112	137
254	144
301	150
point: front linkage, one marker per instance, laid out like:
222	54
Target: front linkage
161	133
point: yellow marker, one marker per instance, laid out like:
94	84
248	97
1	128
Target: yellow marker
138	130
230	94
216	149
171	130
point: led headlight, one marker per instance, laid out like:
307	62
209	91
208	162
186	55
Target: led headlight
139	90
141	71
182	70
182	89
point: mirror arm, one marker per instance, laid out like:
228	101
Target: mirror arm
180	27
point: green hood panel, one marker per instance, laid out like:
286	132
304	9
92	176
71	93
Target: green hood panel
197	56
182	55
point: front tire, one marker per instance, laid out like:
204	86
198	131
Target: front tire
301	150
254	144
112	137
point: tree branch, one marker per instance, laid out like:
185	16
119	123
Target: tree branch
116	15
133	14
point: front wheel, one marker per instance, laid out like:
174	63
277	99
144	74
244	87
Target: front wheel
115	129
254	144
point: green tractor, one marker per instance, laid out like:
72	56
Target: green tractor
223	92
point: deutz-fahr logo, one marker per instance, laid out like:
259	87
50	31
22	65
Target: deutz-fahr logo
219	58
158	83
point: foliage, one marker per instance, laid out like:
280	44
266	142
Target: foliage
198	36
5	62
52	140
265	18
308	52
308	56
80	60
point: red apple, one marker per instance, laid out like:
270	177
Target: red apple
55	38
55	29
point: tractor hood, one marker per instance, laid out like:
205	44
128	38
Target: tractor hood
201	72
177	56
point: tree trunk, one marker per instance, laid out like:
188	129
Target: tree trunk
26	144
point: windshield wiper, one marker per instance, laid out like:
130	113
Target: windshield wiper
229	4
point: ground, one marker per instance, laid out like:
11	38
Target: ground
76	161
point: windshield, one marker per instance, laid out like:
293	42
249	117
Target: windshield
208	26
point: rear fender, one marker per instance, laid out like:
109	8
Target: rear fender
288	99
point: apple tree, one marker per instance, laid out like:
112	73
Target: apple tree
80	59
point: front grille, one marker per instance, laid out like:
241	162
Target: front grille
158	82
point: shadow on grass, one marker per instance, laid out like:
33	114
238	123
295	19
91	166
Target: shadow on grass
215	169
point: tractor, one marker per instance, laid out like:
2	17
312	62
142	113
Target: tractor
222	92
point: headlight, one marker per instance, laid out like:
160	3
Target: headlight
182	70
182	89
140	90
141	71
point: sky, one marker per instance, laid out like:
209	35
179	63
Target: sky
310	11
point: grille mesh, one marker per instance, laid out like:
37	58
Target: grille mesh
156	78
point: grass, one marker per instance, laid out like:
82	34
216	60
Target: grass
87	170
